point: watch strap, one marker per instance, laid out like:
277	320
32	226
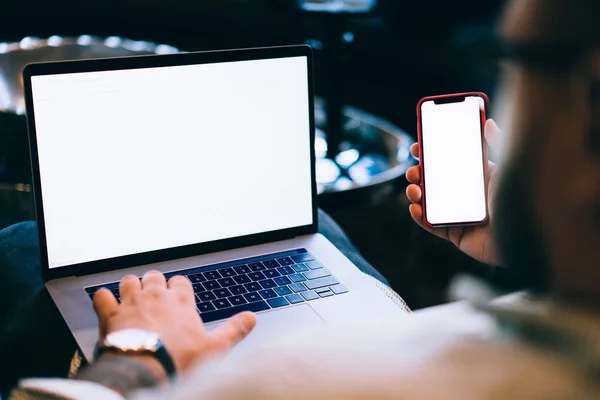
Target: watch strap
161	354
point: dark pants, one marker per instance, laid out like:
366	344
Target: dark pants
34	340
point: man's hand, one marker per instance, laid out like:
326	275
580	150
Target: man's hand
475	241
168	309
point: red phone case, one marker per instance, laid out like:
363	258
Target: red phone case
421	155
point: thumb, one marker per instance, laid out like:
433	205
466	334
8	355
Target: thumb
494	140
492	132
236	328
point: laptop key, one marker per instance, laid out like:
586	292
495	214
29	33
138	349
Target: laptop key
321	282
326	293
252	297
212	285
110	286
309	295
285	261
237	300
282	290
242	279
169	275
297	277
271	273
242	269
116	293
225	282
212	275
198	287
282	280
302	257
206	296
339	289
268	283
227	272
286	270
294	298
314	265
300	267
278	302
196	278
252	287
222	293
221	303
317	273
90	290
298	287
267	294
205	307
257	276
238	289
257	266
231	311
270	264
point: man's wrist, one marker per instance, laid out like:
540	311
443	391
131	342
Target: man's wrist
124	373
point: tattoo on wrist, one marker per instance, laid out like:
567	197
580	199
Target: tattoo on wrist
121	373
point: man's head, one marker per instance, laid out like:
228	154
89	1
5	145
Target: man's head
548	207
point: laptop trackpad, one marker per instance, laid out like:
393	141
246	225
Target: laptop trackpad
279	323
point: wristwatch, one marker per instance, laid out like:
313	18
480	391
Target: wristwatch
137	341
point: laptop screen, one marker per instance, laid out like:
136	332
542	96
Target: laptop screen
146	159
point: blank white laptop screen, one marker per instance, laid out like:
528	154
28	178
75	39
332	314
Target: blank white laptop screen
146	159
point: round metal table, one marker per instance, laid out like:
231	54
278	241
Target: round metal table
372	158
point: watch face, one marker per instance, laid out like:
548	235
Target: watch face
133	340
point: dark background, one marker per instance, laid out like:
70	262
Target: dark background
402	51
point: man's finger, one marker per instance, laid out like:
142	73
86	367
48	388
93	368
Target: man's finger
129	286
413	174
416	212
105	305
182	285
153	279
236	328
413	192
414	150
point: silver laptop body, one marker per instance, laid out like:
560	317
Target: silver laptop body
200	164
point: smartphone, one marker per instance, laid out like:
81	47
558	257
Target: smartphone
453	159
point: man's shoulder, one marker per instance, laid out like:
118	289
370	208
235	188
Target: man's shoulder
454	351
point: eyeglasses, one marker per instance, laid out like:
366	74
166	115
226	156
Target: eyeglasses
541	56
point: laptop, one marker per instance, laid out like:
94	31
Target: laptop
194	164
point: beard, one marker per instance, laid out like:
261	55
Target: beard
517	232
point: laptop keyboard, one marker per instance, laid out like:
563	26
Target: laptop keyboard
256	284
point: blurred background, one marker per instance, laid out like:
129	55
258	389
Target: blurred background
377	56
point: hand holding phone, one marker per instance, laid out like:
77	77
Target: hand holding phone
452	148
474	240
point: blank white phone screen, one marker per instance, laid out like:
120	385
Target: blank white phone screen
138	160
453	162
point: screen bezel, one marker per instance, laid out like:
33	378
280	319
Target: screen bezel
445	99
152	61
